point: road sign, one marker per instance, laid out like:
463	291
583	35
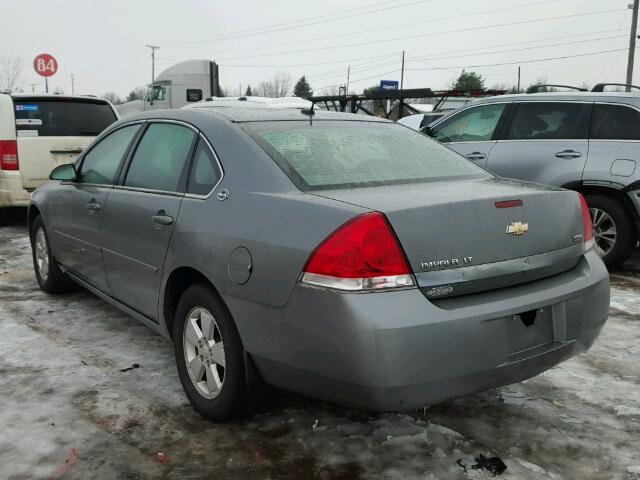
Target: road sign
45	65
386	85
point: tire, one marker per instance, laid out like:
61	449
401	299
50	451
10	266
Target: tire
625	240
49	276
218	392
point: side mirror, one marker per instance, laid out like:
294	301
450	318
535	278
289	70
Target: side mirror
427	130
64	172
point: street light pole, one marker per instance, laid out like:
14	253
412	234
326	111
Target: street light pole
153	68
73	84
632	42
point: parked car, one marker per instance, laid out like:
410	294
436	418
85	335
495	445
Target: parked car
336	255
39	132
583	141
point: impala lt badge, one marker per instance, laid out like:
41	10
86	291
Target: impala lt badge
453	262
517	228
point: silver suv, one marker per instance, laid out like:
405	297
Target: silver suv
583	141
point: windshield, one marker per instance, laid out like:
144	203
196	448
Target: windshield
59	117
334	154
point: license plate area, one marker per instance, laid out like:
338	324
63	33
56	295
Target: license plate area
530	329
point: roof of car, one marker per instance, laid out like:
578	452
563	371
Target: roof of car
243	115
56	96
634	97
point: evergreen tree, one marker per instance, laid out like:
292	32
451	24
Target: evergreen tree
248	93
302	89
468	81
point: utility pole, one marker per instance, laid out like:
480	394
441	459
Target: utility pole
518	80
346	89
401	106
632	42
153	68
73	84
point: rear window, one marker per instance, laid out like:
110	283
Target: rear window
58	117
331	154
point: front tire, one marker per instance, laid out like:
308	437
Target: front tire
613	229
49	276
209	354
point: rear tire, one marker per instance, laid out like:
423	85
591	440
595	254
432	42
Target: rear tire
209	354
49	276
608	213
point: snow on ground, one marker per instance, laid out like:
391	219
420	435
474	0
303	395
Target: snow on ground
68	411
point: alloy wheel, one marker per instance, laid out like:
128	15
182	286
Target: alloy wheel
204	352
42	254
604	229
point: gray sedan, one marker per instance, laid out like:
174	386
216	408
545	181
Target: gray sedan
339	256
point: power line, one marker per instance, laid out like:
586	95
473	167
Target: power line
334	16
563	57
386	55
430	34
524	42
521	48
418	59
402	25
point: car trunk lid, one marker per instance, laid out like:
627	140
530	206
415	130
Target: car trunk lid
459	237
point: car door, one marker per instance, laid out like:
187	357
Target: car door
76	208
142	210
471	132
614	144
543	142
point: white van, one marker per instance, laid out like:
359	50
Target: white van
40	132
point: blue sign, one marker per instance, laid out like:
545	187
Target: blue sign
26	107
386	85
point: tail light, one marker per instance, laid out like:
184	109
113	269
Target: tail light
587	224
363	254
8	155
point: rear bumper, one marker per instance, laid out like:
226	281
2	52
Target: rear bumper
396	350
11	192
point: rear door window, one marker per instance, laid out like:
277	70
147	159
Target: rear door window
61	117
476	124
160	160
101	163
205	172
615	122
547	121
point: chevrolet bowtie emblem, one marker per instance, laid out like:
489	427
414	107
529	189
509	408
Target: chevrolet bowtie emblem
517	228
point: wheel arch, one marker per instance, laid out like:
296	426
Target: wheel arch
32	213
178	281
618	194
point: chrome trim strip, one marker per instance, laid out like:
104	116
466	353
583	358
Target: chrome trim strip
146	265
148	190
76	239
474	278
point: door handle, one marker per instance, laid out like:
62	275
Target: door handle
568	154
161	219
93	206
66	150
476	156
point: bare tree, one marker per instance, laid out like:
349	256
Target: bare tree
330	90
138	93
112	97
278	86
10	73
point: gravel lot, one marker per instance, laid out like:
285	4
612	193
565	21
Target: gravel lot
70	409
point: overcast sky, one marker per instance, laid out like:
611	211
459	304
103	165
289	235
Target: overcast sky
103	42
